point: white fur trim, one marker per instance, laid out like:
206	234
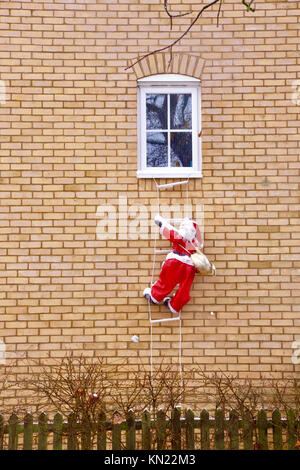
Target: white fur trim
171	308
147	291
166	225
158	218
153	299
183	259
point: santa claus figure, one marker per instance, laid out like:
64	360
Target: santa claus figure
178	268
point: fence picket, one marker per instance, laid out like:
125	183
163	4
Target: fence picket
248	432
72	434
85	431
176	429
161	429
233	430
262	425
130	431
28	432
57	431
277	430
101	433
204	426
291	428
1	432
146	430
219	430
116	433
43	432
189	430
13	432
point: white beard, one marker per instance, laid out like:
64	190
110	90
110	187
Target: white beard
187	231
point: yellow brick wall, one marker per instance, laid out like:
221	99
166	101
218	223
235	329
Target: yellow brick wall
69	144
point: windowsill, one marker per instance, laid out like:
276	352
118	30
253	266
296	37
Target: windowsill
169	173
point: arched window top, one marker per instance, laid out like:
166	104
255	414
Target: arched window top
168	77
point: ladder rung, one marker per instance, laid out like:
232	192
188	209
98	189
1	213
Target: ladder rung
176	220
165	319
170	185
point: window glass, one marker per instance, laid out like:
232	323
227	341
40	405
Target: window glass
181	111
157	149
157	111
171	114
181	149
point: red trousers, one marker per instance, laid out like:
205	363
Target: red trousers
174	272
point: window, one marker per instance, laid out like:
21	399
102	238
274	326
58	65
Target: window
169	127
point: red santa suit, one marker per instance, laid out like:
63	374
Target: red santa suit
178	267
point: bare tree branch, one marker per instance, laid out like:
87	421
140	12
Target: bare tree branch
248	5
171	16
194	21
219	11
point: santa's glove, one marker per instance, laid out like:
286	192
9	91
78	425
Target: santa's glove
158	219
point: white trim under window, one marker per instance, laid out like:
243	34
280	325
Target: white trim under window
169	133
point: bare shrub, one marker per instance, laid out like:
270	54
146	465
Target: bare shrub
232	392
286	397
229	392
8	387
86	388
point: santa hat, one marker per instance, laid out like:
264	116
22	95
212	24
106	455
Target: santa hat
190	230
198	233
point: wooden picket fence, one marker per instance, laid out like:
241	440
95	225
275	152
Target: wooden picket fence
180	432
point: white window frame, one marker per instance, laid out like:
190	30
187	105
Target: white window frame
168	84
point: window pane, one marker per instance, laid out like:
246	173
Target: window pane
181	149
157	149
181	111
157	108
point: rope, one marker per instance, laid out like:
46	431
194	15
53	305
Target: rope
180	359
155	236
151	352
187	196
152	278
149	303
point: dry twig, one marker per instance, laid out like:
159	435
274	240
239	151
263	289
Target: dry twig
187	30
171	16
